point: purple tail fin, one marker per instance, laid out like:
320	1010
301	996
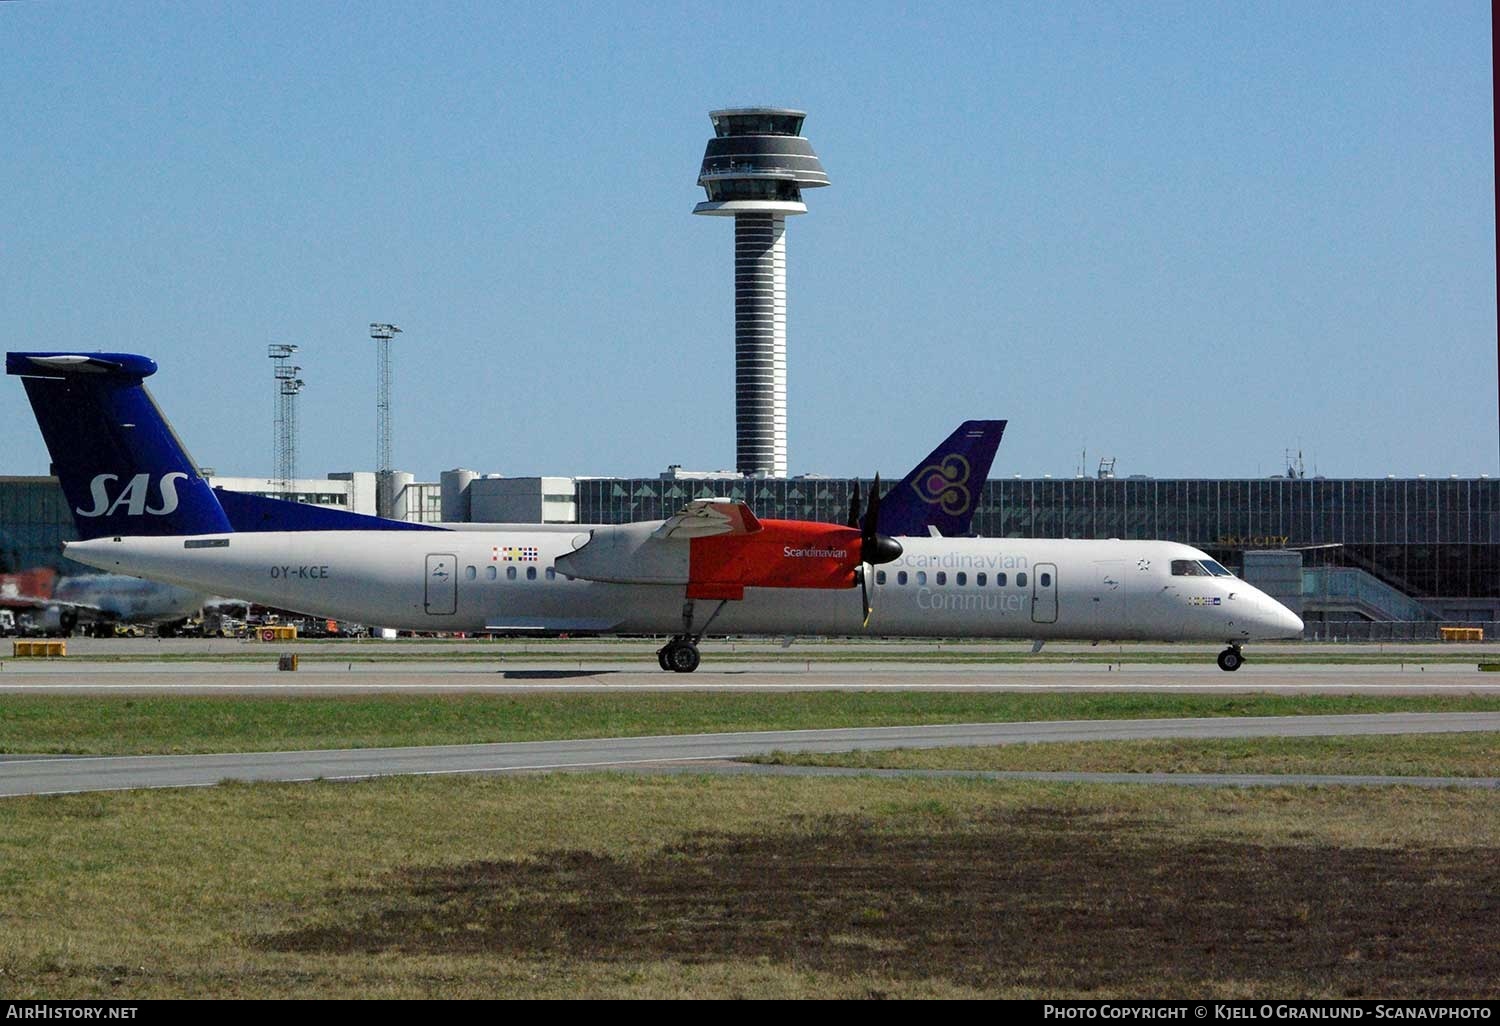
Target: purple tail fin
944	489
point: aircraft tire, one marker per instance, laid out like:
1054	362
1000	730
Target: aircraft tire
1230	660
683	657
661	658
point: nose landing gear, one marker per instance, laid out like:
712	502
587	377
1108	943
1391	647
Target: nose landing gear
1231	659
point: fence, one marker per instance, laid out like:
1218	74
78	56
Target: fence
1391	630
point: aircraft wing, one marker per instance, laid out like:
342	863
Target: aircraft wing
80	610
704	518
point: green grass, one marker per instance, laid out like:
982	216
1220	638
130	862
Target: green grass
119	725
1406	755
625	886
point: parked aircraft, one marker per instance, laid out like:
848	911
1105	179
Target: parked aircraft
61	604
143	509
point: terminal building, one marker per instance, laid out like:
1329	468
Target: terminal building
1346	552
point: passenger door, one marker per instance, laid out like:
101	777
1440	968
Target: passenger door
442	584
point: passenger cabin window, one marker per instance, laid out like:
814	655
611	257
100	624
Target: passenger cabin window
979	580
470	573
900	576
963	579
551	574
490	573
942	578
999	580
1189	568
922	577
1046	580
531	573
510	573
879	576
1020	580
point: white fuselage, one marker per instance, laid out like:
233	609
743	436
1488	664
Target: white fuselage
501	581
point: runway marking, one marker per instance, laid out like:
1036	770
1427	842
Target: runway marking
9	686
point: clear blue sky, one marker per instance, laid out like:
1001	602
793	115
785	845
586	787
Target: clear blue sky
1186	235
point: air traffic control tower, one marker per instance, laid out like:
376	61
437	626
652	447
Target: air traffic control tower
754	170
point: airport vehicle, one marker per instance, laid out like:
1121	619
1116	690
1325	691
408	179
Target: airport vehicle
143	509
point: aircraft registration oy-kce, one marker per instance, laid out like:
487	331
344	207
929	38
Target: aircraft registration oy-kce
899	568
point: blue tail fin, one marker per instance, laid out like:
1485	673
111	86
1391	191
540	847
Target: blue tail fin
944	489
122	468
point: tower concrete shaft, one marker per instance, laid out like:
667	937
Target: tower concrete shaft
760	344
754	170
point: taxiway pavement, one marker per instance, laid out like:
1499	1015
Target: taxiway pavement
36	775
601	674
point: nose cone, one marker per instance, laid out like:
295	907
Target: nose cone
1277	621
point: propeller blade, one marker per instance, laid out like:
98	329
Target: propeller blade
875	547
854	504
864	594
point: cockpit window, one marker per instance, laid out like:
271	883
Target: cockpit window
1189	568
1216	569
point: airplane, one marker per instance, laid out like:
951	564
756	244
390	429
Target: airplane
143	509
77	599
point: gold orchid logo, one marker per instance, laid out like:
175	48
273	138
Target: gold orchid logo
945	484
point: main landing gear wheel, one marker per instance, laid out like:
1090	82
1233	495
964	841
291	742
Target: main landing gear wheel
1231	659
680	657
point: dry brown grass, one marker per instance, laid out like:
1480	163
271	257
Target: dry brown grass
606	885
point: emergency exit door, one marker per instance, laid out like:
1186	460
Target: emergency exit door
442	584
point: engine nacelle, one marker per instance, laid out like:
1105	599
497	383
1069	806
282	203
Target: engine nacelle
771	554
783	554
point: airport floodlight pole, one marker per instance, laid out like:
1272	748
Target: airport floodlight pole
385	473
288	385
754	170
